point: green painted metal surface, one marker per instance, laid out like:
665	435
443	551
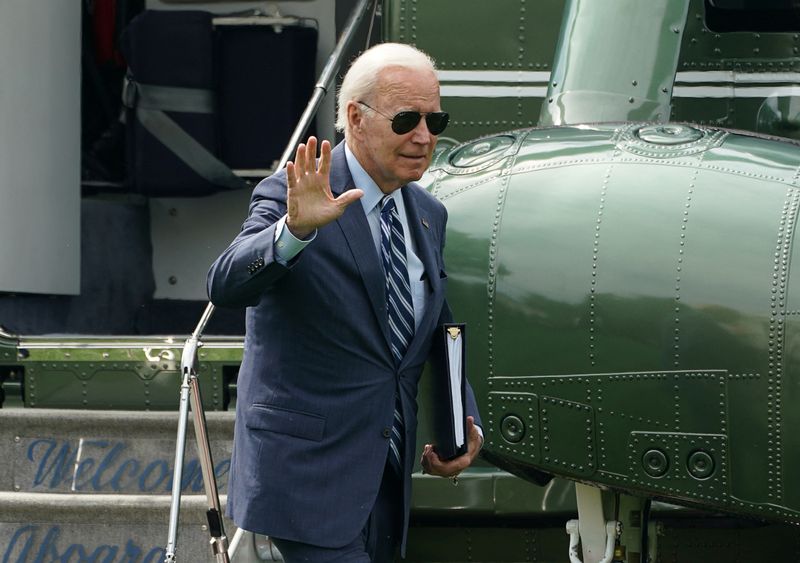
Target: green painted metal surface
631	308
679	541
135	373
581	87
496	64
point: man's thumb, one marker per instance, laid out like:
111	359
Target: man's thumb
349	197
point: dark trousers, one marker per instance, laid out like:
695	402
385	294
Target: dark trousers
378	542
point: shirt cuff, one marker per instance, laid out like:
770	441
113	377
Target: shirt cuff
287	246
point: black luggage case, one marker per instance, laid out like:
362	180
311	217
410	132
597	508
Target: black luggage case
260	107
203	100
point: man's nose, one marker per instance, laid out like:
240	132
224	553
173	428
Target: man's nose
421	134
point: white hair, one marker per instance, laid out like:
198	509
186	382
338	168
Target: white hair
362	77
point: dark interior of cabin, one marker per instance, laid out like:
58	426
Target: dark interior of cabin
131	57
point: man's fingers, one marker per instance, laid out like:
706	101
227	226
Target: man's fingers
472	430
291	178
325	159
434	465
300	159
448	468
311	156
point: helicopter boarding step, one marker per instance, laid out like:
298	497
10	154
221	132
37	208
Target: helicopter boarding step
95	485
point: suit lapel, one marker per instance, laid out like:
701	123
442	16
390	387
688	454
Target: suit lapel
423	223
357	234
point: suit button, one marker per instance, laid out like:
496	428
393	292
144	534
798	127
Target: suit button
387	432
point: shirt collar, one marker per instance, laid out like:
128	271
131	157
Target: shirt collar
372	193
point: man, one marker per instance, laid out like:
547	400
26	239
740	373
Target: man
345	289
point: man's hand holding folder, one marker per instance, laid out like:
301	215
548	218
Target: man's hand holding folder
457	438
434	465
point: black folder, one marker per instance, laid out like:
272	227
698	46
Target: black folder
450	391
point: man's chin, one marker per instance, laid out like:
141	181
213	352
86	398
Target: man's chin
412	178
416	173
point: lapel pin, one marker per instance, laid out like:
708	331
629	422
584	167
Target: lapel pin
425	223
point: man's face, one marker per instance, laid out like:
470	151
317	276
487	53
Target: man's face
393	160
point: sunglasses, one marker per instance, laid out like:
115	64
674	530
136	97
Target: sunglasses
405	121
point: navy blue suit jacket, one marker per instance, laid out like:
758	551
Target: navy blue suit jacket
316	388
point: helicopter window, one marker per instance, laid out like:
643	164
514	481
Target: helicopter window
753	15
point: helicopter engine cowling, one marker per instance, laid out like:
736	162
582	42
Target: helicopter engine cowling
632	317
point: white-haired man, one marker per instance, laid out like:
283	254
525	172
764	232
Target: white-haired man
340	265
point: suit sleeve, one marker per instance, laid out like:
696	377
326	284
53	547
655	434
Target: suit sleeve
249	265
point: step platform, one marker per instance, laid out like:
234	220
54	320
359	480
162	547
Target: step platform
96	485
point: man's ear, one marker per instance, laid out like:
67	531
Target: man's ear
355	119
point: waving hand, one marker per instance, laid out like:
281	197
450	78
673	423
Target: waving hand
310	203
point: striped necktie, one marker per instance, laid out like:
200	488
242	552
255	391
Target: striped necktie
400	308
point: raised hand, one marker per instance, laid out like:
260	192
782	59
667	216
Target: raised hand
309	201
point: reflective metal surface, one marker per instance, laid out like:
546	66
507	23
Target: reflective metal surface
632	311
582	86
